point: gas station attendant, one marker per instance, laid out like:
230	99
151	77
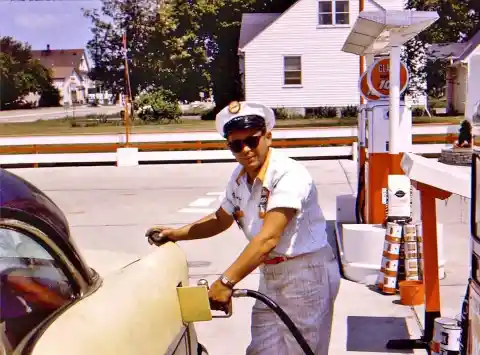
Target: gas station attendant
274	201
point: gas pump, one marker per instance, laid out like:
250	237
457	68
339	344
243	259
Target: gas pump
378	36
378	165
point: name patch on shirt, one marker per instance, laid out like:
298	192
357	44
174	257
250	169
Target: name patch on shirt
262	206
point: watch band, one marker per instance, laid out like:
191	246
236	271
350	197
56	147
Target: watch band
226	282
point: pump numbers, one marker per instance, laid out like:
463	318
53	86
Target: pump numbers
384	195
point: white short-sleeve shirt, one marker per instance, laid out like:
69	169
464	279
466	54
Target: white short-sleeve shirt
287	183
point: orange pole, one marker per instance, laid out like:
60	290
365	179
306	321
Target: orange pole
378	164
127	122
128	92
362	155
428	196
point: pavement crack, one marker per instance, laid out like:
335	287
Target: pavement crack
346	176
418	320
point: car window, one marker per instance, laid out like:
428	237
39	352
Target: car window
32	285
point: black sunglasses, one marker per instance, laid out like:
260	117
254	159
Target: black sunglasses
236	146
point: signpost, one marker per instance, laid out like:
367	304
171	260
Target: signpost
73	87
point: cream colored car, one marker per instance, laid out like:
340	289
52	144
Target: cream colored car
53	303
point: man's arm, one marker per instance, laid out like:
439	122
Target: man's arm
209	226
286	198
256	252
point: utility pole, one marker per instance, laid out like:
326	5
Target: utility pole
127	90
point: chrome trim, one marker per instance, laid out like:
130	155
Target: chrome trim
22	226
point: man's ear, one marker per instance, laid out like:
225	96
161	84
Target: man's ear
268	136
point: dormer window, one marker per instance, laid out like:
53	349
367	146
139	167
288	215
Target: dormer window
333	12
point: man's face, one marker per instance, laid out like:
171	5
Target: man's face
250	147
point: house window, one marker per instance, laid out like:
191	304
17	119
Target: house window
292	69
333	12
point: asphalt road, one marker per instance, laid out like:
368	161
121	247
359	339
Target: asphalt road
53	113
109	209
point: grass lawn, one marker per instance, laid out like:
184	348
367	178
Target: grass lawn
64	127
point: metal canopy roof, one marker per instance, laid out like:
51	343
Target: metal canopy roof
372	31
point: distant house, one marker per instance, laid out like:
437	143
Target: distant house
294	60
463	74
69	68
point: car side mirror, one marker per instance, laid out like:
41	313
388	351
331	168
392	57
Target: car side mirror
195	305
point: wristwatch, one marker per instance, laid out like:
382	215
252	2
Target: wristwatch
226	282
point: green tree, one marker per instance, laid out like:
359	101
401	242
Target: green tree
220	24
20	74
162	48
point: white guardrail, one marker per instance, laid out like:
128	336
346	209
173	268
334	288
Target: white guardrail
199	155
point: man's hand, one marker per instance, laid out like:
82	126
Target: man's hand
161	235
220	296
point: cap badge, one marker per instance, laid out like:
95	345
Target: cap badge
234	107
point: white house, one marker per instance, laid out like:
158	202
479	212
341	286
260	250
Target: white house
464	86
69	68
295	60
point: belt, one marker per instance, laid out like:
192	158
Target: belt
278	260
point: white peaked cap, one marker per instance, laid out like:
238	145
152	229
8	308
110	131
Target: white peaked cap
244	108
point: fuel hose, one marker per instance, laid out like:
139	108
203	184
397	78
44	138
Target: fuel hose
280	312
360	202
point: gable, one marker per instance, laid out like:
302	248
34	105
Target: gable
253	25
274	17
471	47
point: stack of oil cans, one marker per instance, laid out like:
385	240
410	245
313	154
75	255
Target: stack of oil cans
413	251
402	257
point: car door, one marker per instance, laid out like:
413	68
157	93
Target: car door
34	286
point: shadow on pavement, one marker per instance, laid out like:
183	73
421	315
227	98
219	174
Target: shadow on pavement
371	334
332	240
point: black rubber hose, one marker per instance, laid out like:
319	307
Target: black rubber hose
281	313
360	209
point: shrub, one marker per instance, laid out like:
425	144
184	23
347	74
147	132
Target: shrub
323	112
159	104
286	114
209	115
349	111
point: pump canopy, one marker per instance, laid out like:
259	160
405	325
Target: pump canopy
373	31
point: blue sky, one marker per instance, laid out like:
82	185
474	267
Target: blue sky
58	23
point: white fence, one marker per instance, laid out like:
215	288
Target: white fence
348	152
120	138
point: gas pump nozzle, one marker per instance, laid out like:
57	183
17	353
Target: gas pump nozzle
217	307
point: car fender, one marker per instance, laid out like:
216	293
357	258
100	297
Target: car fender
135	311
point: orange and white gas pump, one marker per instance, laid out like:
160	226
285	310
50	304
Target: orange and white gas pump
380	159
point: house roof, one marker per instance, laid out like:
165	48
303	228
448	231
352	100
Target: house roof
59	59
458	52
471	46
62	72
253	25
446	50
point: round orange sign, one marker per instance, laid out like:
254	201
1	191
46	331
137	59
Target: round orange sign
379	77
365	90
